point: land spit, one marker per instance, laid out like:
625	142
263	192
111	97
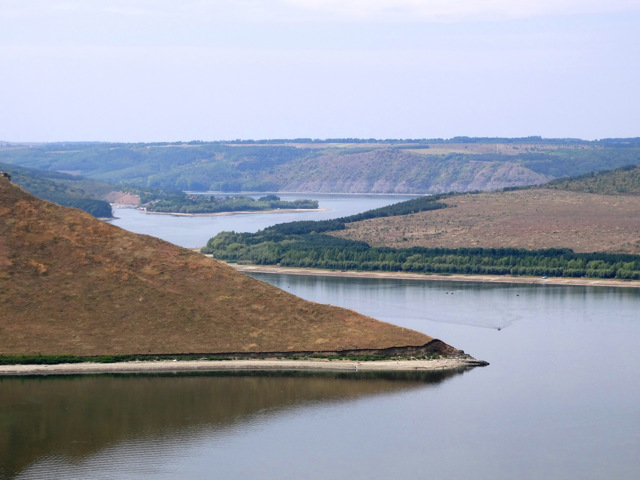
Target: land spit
589	282
166	366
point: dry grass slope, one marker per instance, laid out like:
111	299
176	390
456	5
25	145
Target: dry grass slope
531	219
71	284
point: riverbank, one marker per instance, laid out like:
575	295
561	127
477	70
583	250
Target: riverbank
239	212
591	282
166	366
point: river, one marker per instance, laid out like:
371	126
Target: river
560	398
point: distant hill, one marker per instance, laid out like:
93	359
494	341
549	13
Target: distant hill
62	189
622	181
71	284
338	166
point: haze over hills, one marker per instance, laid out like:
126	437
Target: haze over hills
333	166
71	284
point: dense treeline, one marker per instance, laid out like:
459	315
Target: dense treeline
301	227
194	204
617	142
325	251
303	244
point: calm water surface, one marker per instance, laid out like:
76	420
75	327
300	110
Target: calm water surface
560	399
192	232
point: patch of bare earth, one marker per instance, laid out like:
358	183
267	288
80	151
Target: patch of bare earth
123	198
530	219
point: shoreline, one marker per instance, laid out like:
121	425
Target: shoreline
587	282
239	212
175	366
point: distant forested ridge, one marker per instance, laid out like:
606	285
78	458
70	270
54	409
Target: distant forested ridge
58	188
344	165
304	244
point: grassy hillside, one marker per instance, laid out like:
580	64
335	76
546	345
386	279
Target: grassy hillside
622	181
348	165
530	219
62	189
71	284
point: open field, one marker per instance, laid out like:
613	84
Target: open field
530	219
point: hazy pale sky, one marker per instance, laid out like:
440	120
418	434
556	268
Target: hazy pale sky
164	70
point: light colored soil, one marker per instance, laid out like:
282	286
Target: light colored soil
190	366
593	282
531	219
123	198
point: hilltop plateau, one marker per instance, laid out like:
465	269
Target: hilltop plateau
73	285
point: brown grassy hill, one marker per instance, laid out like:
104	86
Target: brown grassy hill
71	284
531	219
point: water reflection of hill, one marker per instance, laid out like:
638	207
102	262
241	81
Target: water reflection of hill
74	417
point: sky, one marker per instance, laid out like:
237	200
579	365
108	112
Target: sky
182	70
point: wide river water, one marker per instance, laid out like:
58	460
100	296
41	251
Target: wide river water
560	400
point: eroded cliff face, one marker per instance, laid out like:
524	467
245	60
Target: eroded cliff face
400	172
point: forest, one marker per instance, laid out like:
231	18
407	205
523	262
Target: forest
202	204
303	244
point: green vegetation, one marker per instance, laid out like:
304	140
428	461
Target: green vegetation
61	188
194	204
337	165
304	244
621	181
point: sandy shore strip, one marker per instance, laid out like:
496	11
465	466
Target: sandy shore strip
239	212
239	365
589	282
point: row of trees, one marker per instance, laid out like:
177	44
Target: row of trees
422	204
304	244
324	251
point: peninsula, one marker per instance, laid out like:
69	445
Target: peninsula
75	287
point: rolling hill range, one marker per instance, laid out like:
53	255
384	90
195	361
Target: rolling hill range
73	285
333	166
